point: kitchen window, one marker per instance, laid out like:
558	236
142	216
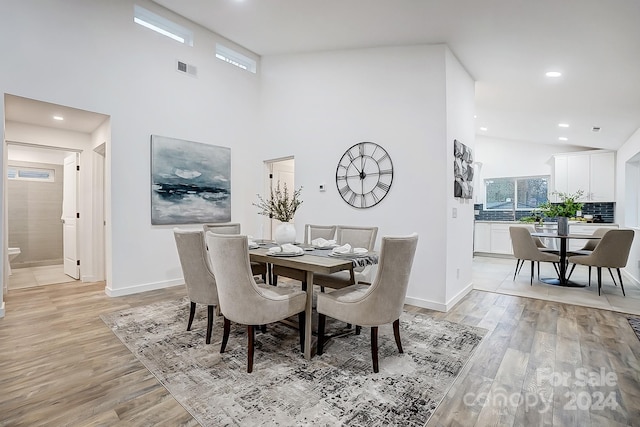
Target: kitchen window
516	193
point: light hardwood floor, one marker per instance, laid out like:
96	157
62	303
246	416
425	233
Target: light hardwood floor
60	365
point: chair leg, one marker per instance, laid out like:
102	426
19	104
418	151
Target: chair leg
396	334
612	278
321	321
263	329
225	334
599	279
621	284
516	271
301	324
192	312
358	329
251	330
374	348
589	275
538	270
209	323
571	272
521	264
531	278
555	266
274	280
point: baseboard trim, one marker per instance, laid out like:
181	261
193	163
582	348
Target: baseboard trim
2	310
628	276
130	290
438	306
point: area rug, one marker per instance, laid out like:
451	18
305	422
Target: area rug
634	322
337	388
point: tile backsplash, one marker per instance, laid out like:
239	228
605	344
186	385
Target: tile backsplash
606	210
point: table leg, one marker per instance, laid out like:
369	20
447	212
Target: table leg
308	316
563	261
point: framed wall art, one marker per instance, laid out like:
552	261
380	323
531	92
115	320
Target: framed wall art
462	170
190	182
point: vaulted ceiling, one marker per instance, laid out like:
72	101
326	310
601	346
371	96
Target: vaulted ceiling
506	46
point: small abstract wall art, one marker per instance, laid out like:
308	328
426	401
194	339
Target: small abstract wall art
463	170
190	182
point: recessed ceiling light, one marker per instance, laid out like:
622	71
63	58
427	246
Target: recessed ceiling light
563	125
553	74
563	138
483	129
58	118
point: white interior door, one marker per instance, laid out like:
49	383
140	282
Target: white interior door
70	216
283	171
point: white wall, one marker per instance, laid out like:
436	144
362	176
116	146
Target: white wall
629	150
92	56
315	106
506	158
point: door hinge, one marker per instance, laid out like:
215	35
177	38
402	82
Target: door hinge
78	215
78	262
270	176
78	168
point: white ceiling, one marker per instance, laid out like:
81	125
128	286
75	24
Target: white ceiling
506	45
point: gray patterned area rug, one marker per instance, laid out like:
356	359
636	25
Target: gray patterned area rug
337	388
634	322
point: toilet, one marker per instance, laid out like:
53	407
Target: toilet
11	254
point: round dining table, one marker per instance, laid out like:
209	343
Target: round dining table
562	279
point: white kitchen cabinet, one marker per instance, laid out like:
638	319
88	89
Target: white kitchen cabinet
590	171
501	239
482	237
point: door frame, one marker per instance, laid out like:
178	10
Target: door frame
269	223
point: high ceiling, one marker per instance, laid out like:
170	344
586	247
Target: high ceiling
506	45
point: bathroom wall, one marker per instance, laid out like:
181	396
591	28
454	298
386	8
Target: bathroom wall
34	211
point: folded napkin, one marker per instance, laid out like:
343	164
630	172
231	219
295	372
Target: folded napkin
347	249
251	242
322	243
286	248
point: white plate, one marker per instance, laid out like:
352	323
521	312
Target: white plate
322	248
254	246
285	254
349	255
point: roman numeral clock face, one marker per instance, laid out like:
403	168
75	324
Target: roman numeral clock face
364	175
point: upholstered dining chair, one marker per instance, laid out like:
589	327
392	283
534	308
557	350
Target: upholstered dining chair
357	237
611	252
241	299
198	276
311	232
525	249
378	304
258	268
588	248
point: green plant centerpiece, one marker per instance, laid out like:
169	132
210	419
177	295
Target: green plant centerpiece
281	205
565	209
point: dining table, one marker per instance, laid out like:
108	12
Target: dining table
311	261
562	279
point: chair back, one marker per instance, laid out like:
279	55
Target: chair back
536	240
592	243
226	228
613	249
239	295
524	247
357	237
388	291
198	276
312	232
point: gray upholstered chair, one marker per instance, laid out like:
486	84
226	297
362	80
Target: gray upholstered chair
311	232
611	252
525	249
241	299
198	276
357	237
258	268
588	248
378	304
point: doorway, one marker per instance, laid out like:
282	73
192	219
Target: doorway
36	126
278	170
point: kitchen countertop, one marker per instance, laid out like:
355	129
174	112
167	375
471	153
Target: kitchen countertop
548	223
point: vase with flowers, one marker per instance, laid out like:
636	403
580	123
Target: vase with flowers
281	206
565	209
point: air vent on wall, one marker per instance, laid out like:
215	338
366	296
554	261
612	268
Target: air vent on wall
183	67
595	129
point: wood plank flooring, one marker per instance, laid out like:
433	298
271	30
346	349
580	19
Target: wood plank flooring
60	365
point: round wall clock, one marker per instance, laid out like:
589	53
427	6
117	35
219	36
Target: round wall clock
364	175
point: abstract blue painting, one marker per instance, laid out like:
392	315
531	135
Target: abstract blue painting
190	182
